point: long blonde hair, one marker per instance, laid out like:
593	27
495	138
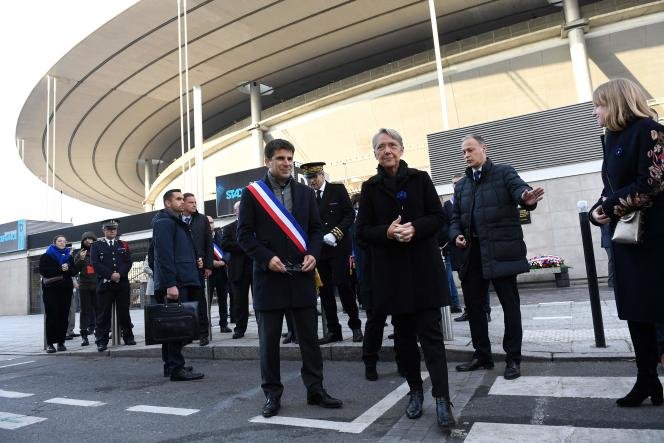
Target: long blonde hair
625	101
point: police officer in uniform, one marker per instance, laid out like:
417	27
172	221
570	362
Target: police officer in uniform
337	215
111	261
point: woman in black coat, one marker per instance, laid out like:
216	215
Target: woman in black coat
57	268
633	180
399	219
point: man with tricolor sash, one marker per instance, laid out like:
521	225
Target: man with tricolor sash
279	228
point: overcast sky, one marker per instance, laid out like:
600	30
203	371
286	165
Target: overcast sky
37	33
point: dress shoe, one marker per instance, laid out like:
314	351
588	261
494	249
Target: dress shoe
85	342
284	334
203	341
330	338
50	349
357	335
462	317
414	408
225	329
290	337
512	370
371	373
271	406
324	400
129	340
238	334
475	364
61	347
646	386
167	370
444	413
455	309
101	347
183	375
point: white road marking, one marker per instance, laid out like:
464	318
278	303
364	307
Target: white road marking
354	427
14	421
564	317
17	364
551	303
580	387
14	394
502	432
162	410
74	402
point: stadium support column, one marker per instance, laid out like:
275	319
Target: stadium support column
198	144
150	171
439	65
575	27
256	132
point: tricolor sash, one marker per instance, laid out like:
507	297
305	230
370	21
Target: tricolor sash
218	253
278	212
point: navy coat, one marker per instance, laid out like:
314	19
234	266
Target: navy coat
174	252
106	260
238	260
494	201
633	178
262	239
405	277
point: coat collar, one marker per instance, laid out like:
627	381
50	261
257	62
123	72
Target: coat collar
486	169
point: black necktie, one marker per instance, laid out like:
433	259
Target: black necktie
112	243
318	197
476	175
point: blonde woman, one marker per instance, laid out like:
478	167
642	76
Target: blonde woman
633	180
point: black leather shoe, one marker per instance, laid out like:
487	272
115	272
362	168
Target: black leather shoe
101	347
129	340
414	408
290	337
475	364
330	338
444	413
225	329
455	309
61	347
238	334
371	373
167	370
184	375
462	317
203	341
324	400
645	387
85	342
271	406
50	349
512	370
357	335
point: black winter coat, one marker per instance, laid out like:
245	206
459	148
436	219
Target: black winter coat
49	267
174	253
238	260
262	239
336	211
633	178
494	200
202	235
405	277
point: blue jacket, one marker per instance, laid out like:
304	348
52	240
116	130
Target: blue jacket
174	253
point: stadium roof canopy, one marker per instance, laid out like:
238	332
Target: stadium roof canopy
118	90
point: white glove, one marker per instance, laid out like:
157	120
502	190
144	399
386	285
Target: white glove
330	239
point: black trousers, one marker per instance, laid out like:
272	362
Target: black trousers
269	335
201	298
171	353
425	327
328	301
373	336
240	295
218	282
107	294
87	320
474	291
644	339
57	302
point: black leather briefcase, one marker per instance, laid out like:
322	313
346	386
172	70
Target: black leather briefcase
171	322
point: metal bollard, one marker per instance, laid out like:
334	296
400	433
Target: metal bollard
323	318
446	324
115	327
208	297
591	272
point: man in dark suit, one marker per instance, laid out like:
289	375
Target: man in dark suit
111	261
337	215
218	280
279	228
485	225
239	274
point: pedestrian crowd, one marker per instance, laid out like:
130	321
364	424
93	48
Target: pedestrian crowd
391	250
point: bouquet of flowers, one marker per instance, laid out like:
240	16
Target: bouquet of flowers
546	261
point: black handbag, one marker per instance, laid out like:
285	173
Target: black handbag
171	322
51	281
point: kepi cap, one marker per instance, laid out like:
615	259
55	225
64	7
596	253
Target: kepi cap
110	224
312	169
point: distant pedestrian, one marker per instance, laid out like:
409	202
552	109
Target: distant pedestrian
87	288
